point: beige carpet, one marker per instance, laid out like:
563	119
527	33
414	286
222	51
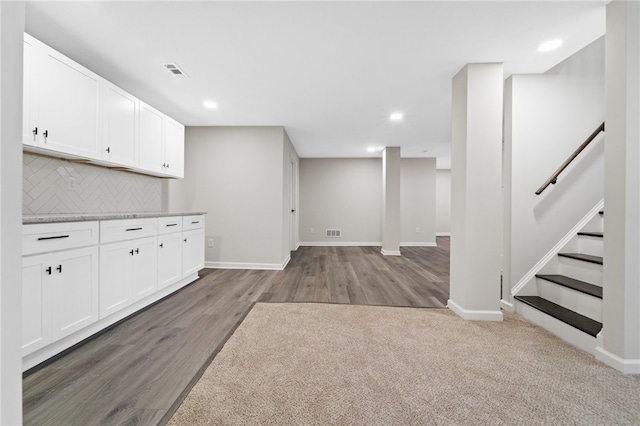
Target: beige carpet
319	364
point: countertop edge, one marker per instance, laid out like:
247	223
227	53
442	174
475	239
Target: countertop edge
80	217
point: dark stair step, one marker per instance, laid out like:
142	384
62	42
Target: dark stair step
581	286
565	315
584	257
592	234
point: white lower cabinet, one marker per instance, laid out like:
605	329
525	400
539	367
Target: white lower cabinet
192	251
128	272
169	259
59	295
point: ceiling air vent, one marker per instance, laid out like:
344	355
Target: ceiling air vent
175	70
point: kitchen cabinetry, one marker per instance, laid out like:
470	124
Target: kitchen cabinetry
193	244
169	251
128	265
63	103
59	288
120	141
70	112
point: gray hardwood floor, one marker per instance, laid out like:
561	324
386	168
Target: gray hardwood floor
140	371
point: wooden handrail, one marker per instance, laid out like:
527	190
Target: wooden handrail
554	177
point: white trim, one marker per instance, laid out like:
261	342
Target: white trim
424	244
443	234
507	306
341	244
626	366
474	315
390	252
554	251
243	265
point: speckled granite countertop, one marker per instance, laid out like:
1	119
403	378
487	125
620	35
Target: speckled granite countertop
79	217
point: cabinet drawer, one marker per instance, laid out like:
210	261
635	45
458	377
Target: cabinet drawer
167	225
192	222
46	237
127	229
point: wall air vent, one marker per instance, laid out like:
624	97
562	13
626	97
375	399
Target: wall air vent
175	71
333	233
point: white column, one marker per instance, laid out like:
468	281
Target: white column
391	201
476	202
619	340
11	47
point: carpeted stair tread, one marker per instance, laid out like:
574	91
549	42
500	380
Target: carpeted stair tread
563	314
583	257
592	234
572	283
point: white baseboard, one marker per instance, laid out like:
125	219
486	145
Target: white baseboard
390	252
423	244
340	244
507	306
246	265
477	315
626	366
526	278
443	234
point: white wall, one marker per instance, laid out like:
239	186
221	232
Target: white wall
11	47
235	174
546	118
443	201
344	193
418	201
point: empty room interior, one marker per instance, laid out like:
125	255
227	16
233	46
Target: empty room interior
319	212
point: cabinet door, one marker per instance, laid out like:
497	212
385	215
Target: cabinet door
174	148
29	96
169	259
68	105
36	306
192	251
150	141
120	126
145	267
116	271
74	296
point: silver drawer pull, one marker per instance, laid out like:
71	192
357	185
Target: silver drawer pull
57	237
133	229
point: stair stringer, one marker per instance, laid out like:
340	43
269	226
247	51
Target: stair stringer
527	284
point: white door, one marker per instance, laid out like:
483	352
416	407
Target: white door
29	97
68	107
174	148
145	267
74	300
192	251
150	142
169	259
120	143
36	303
293	222
116	271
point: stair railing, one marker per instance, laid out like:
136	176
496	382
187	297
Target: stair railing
554	177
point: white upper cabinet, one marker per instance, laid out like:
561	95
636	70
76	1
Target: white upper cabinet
151	136
64	103
120	143
173	148
71	112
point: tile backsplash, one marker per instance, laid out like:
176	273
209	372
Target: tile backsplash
52	185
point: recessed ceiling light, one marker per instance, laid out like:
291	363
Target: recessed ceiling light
396	116
372	149
210	104
550	45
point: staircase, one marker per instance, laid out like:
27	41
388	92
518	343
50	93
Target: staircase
565	297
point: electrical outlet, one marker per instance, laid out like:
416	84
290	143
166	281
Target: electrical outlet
210	243
312	230
417	230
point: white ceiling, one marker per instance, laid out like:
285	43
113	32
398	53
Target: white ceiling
329	72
